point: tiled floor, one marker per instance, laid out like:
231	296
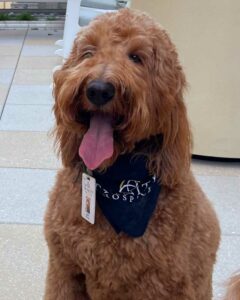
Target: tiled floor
27	162
28	167
27	118
23	257
34	94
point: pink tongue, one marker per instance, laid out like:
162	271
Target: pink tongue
97	143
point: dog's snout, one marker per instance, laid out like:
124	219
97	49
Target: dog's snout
100	92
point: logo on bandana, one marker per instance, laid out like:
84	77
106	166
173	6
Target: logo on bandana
129	190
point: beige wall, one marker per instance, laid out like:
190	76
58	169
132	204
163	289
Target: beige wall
207	35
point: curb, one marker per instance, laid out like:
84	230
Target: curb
31	24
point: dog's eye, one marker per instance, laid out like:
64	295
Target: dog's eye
87	54
135	58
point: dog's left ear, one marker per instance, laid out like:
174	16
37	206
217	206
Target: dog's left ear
172	160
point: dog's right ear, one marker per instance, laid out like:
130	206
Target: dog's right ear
67	139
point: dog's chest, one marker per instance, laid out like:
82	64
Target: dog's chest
107	258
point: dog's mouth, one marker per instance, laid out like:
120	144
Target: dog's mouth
97	144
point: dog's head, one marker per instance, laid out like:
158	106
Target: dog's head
123	76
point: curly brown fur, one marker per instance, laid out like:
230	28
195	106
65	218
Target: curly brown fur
174	258
233	292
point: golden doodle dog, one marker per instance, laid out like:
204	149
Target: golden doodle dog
124	139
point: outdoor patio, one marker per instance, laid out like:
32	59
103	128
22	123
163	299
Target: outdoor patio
28	167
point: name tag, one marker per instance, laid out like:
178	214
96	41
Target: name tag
88	198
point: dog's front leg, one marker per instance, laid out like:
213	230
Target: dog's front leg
62	284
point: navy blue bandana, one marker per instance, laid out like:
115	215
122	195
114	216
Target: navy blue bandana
127	194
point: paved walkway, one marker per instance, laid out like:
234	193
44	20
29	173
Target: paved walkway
28	167
27	162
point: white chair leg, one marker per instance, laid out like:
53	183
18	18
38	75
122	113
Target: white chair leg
59	52
71	25
59	43
128	4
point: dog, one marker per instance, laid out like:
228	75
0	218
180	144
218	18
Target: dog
233	288
124	139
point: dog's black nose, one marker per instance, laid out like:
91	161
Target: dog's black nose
100	92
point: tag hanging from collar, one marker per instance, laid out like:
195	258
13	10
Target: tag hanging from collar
127	194
88	198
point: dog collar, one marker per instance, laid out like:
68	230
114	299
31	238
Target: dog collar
127	194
